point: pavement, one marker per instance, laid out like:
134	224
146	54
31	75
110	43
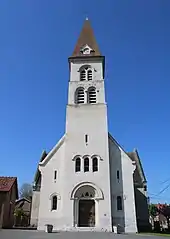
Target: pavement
23	234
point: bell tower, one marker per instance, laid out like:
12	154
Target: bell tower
86	125
86	85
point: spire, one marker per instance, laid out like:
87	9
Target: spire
86	44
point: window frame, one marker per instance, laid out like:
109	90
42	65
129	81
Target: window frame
55	174
95	166
119	203
118	175
91	98
78	159
54	204
86	73
78	98
86	165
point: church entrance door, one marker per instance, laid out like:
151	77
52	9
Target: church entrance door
86	213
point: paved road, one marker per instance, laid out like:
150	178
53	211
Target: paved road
19	234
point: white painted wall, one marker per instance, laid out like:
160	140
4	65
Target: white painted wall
97	81
80	120
50	186
90	119
35	208
119	160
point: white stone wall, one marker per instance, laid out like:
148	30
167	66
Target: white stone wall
91	120
97	81
49	186
123	187
35	208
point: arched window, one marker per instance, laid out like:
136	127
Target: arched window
95	164
92	95
79	95
86	164
78	165
119	203
86	73
83	75
54	202
89	74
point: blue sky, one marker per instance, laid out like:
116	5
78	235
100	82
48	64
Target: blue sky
36	39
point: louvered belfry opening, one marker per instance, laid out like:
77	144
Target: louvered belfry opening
79	98
92	95
86	73
83	75
89	74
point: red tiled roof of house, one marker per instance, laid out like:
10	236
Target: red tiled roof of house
6	183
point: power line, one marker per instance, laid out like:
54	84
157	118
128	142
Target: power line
165	181
163	189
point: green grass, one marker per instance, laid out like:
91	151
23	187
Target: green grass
156	234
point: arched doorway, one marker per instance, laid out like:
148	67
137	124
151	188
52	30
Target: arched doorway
86	197
86	217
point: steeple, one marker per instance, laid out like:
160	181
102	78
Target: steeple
86	44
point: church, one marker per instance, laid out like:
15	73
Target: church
88	181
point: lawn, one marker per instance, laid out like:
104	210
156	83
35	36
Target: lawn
157	234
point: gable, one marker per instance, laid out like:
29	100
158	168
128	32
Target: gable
119	147
52	152
139	176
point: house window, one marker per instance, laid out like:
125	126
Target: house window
86	164
92	95
78	165
79	95
119	203
95	164
54	203
86	73
55	174
118	176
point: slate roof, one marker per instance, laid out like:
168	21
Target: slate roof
139	170
6	183
86	38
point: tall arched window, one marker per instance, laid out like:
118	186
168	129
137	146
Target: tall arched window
78	165
54	202
86	73
119	203
92	95
86	164
95	164
79	95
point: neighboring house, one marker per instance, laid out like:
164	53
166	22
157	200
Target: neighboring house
8	196
22	212
159	221
87	181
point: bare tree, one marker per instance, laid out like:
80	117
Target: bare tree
26	191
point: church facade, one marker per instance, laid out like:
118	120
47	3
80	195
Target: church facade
87	181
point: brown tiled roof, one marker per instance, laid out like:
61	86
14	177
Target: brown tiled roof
86	37
6	183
